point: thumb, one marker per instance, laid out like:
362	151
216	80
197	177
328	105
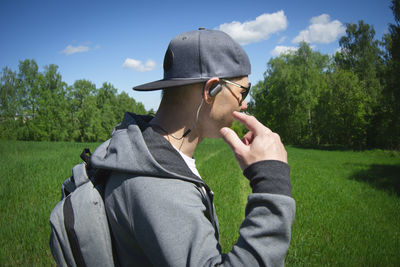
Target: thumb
231	138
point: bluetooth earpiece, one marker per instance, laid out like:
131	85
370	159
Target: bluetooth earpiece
214	91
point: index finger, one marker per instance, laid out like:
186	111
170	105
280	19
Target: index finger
250	122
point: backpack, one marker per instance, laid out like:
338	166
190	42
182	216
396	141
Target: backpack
80	234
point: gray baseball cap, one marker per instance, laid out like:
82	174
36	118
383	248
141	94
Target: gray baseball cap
197	56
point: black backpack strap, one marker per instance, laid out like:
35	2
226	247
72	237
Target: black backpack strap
100	179
85	156
69	224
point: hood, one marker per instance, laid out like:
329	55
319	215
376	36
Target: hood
136	148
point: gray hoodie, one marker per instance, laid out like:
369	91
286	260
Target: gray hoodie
161	214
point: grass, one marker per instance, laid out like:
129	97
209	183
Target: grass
348	214
31	174
220	171
348	203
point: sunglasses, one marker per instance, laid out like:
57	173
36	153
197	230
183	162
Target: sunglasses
243	93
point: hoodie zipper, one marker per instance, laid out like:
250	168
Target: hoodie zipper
209	196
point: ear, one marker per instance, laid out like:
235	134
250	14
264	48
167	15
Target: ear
210	84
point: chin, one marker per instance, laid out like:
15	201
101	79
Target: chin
229	123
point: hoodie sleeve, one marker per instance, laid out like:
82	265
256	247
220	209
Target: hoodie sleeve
168	219
266	230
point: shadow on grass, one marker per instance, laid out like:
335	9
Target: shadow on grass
383	177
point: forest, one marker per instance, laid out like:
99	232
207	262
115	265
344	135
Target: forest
40	106
349	99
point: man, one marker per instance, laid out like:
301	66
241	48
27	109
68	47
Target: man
160	210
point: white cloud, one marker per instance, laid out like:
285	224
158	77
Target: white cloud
137	65
321	30
69	50
280	49
255	30
282	39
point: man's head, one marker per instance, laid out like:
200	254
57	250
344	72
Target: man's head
196	56
213	67
218	109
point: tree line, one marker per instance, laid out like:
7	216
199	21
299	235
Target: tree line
40	106
351	98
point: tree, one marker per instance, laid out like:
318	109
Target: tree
28	79
10	109
126	103
28	86
389	117
106	103
286	99
361	54
340	112
51	118
41	106
83	112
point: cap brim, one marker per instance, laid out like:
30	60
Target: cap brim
162	84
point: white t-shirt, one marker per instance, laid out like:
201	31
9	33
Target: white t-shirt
190	162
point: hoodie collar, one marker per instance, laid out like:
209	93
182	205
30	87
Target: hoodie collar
137	149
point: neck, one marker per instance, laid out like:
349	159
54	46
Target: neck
173	121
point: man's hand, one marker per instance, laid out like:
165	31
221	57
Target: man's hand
260	143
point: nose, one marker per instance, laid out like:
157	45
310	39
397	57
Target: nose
243	106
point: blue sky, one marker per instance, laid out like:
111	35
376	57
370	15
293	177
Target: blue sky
123	42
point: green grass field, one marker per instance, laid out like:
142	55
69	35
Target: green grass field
348	203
